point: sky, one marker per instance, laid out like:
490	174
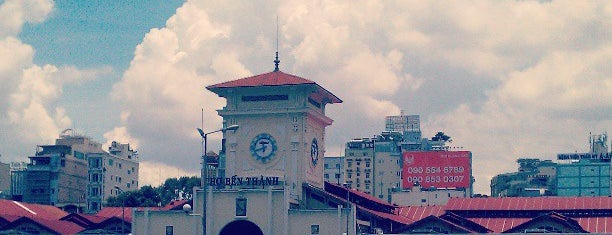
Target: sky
504	79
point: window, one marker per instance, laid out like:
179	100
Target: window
350	164
348	175
338	165
169	230
368	164
337	176
367	175
314	229
241	206
326	166
253	98
110	162
326	176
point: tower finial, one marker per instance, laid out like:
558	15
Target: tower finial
276	61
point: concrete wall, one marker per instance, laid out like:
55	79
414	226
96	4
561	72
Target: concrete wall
155	222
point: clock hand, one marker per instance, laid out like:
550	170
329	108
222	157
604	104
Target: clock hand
262	148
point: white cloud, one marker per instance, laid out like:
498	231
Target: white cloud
29	111
505	79
155	173
14	13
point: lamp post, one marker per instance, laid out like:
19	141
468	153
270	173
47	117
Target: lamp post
348	188
204	176
122	210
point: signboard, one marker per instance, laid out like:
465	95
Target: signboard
439	169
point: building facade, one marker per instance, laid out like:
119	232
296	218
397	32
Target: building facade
583	178
273	163
374	165
534	177
56	176
18	176
5	180
111	173
333	171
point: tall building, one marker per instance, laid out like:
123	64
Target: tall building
534	177
56	175
5	180
333	171
111	173
382	156
77	173
585	174
359	162
18	176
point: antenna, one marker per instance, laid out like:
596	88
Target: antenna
276	61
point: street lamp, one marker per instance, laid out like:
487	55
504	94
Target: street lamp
122	210
348	188
205	167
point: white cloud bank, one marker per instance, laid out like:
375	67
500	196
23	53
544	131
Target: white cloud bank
505	79
29	111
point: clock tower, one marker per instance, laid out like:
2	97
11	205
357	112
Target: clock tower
282	128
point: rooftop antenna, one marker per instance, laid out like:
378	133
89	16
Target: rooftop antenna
276	61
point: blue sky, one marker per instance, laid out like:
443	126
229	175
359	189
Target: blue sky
93	34
504	79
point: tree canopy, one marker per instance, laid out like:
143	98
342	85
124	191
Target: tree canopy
147	196
440	136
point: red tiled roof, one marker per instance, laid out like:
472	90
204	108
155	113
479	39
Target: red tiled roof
30	210
393	217
530	203
277	78
175	205
109	212
58	226
419	212
331	187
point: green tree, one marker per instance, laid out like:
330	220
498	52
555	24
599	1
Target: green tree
440	136
182	188
147	196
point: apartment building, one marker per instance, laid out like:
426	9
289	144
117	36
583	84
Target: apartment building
111	173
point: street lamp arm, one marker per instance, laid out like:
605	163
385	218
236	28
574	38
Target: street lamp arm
229	128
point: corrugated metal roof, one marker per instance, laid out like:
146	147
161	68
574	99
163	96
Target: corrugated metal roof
530	203
419	212
498	225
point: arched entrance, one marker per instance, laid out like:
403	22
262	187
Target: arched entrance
241	227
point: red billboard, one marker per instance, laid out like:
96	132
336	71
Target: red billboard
439	169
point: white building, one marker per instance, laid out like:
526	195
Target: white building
273	165
110	173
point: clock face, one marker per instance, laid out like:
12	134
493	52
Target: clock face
314	152
263	147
